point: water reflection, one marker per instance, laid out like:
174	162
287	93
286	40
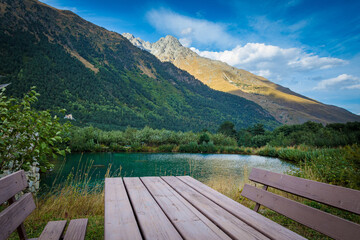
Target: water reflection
200	166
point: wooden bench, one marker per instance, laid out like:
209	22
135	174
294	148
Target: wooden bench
335	196
13	216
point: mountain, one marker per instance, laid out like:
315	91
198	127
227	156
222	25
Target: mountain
100	78
283	104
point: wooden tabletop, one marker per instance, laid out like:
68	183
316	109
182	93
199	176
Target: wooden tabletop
180	208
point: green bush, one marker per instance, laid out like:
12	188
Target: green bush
166	148
192	147
309	133
28	136
222	140
204	138
339	166
114	147
268	151
207	148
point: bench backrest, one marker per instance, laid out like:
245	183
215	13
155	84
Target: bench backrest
339	197
13	216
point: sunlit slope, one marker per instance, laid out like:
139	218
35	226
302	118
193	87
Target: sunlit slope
285	105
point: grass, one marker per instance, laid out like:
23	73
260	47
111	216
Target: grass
339	166
73	199
70	202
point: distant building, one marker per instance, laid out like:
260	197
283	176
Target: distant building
69	116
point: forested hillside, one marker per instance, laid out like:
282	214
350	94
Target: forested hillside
102	79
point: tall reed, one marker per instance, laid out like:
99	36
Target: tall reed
76	197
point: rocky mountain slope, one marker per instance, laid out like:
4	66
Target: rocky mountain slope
283	104
100	78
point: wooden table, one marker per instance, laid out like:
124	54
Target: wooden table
180	208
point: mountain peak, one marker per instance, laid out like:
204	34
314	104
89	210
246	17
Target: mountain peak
173	39
166	48
128	36
137	41
169	42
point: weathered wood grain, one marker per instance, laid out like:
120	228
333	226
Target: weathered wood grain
53	230
21	228
76	229
257	221
207	221
120	222
340	197
11	185
189	225
328	224
152	221
257	206
230	224
15	214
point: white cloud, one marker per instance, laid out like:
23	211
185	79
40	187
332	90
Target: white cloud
311	61
186	31
192	29
272	61
345	80
356	86
185	42
263	73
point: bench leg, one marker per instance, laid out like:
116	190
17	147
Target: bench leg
257	206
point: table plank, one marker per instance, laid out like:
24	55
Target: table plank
189	225
76	229
209	223
257	221
152	221
120	222
230	224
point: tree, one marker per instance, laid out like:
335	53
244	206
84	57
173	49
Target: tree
244	138
204	138
228	129
312	126
28	136
257	129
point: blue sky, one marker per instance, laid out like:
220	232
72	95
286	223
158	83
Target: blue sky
312	47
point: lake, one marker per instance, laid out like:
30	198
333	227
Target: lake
200	166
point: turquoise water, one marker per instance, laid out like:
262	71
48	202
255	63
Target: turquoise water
201	166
